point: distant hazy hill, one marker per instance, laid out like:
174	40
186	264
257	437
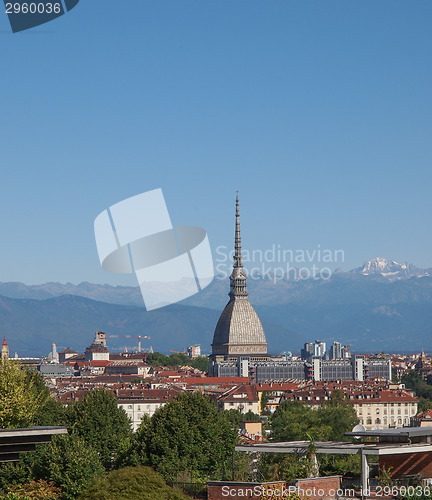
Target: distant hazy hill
381	305
70	321
104	293
30	326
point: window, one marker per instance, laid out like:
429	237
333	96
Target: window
129	407
369	421
377	421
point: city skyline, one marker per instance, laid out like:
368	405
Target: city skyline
180	344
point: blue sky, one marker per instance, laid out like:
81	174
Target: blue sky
319	112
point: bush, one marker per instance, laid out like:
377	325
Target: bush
37	490
130	483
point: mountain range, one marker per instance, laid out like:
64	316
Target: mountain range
380	306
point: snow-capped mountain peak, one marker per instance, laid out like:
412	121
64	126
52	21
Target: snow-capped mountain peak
389	269
380	265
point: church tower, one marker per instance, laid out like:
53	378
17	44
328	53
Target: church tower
5	350
239	331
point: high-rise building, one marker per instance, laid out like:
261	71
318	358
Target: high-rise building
320	348
308	350
317	348
346	351
194	351
336	350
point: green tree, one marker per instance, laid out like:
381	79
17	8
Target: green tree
293	421
250	416
339	415
51	412
200	363
69	463
264	400
178	359
424	404
133	451
413	381
235	417
281	466
187	436
339	464
19	396
101	423
131	483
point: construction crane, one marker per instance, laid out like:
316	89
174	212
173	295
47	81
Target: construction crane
180	352
139	337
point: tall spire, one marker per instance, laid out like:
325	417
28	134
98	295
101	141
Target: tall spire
237	242
238	276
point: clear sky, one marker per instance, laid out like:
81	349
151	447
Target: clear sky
319	112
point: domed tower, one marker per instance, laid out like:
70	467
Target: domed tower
239	331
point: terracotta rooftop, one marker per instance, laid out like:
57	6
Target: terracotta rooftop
68	351
425	415
240	393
